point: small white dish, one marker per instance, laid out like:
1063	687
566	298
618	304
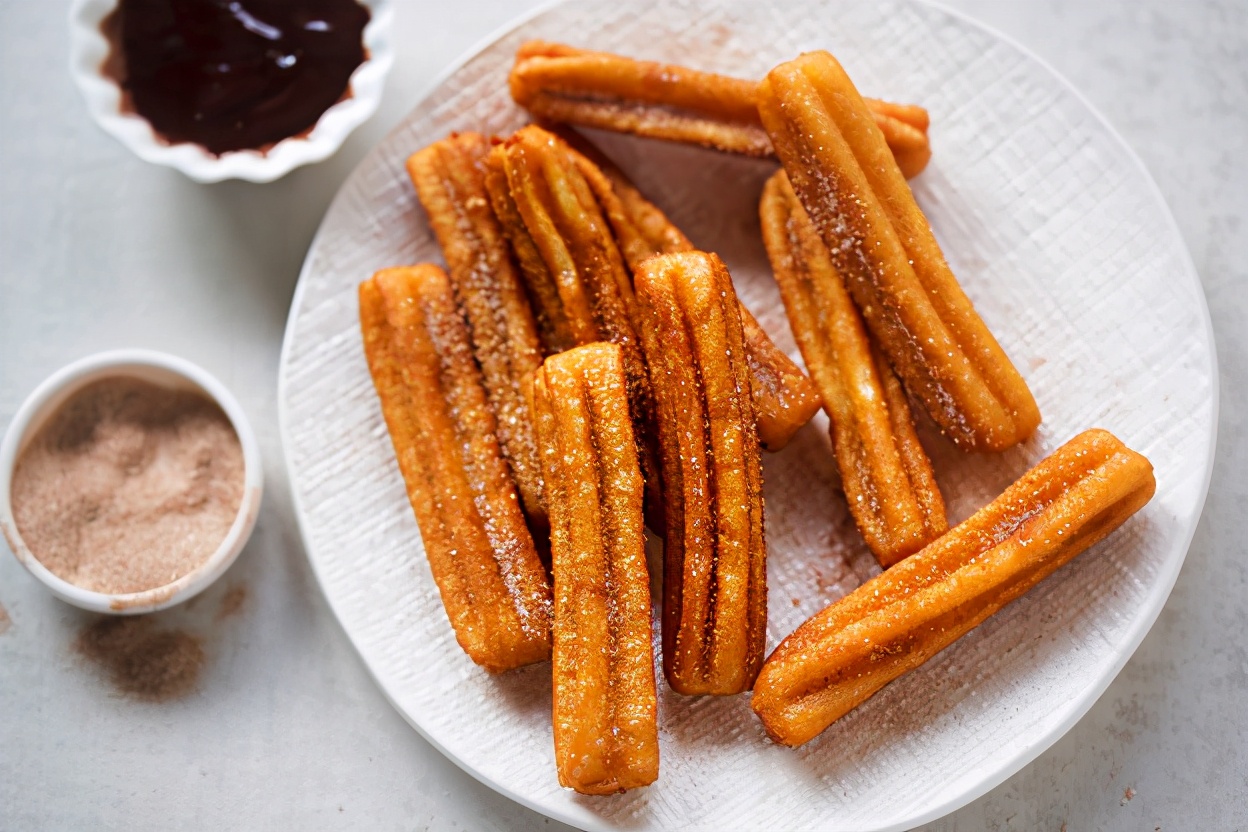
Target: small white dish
88	49
156	368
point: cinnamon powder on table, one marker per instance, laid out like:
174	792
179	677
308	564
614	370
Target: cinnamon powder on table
143	660
128	486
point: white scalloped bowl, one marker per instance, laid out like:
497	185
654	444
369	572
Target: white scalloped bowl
88	49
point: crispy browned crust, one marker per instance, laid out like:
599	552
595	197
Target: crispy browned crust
449	177
664	101
901	618
882	245
888	480
715	560
574	240
482	556
606	734
784	398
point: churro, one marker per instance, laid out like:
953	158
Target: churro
640	226
606	735
449	176
552	322
922	321
904	616
480	551
715	561
595	289
664	101
887	478
784	398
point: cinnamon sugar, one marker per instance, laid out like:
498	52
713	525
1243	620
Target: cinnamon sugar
233	601
129	486
141	659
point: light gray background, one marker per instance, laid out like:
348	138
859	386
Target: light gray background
99	250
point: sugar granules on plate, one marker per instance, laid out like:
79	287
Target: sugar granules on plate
129	486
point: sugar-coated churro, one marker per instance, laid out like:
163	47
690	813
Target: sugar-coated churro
574	239
784	398
715	560
664	101
922	321
606	735
449	176
480	551
904	616
552	322
887	478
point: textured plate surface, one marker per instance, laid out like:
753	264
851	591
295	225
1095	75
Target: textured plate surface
1063	243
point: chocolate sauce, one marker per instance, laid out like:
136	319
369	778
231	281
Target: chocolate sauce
234	74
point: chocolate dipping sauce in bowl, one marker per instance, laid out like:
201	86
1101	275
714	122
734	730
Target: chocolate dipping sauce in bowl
129	481
231	89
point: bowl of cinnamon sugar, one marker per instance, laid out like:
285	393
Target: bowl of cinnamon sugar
129	481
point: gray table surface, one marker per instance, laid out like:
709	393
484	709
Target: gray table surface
286	729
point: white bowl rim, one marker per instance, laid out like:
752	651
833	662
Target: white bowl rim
54	390
88	48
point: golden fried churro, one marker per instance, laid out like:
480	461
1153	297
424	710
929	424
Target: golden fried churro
784	398
663	101
887	477
606	735
640	226
715	561
491	580
901	618
552	323
574	240
449	176
905	130
882	245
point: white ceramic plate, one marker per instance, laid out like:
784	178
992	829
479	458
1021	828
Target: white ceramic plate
1064	244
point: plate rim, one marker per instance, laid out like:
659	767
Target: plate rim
1155	601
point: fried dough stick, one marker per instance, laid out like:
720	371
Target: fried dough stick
784	398
553	328
715	559
904	616
606	734
664	101
480	551
595	291
888	479
449	176
922	321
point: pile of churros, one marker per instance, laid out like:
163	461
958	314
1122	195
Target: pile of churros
580	371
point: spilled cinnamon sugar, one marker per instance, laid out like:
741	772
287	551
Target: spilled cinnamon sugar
143	660
129	486
233	601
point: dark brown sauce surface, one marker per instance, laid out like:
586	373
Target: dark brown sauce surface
234	74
